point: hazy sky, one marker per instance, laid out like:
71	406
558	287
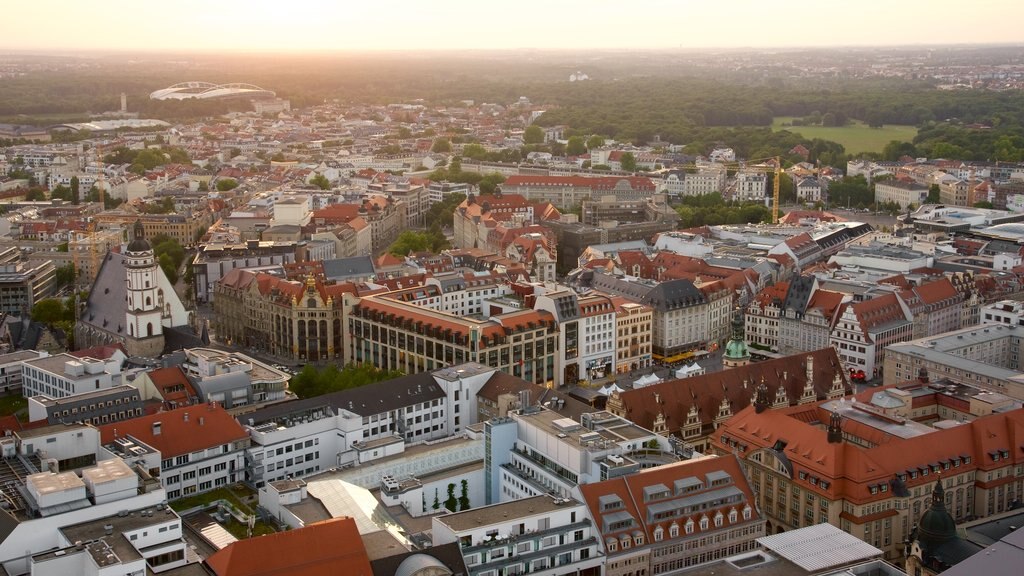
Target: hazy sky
298	25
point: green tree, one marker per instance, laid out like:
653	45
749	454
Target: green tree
312	381
75	187
983	204
49	311
320	181
533	135
60	192
278	157
489	184
595	142
65	275
437	500
204	186
628	162
441	146
576	146
35	194
895	149
225	184
933	194
451	503
464	496
474	151
418	241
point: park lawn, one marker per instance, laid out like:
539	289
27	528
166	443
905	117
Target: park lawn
12	404
856	137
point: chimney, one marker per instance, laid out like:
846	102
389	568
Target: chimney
524	399
810	368
185	416
156	428
202	420
108	529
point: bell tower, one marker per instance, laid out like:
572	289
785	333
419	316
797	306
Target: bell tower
143	312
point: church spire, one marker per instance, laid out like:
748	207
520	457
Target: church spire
761	397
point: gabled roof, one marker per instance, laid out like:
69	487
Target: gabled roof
705	392
181	431
325	548
657	490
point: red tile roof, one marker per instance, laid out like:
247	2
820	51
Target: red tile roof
631	491
674	398
182	431
327	548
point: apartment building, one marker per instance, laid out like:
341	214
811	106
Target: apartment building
988	357
10	369
675	517
900	192
568	191
98	407
864	330
633	323
198	448
540	535
709	180
538	450
64	375
213	261
751	187
232	379
24	284
685	317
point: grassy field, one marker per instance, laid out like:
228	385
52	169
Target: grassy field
855	137
12	404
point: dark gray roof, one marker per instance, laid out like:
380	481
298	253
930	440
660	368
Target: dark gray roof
843	235
407	564
1003	558
105	308
799	294
673	295
348	268
618	286
364	401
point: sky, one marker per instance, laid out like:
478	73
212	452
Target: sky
387	25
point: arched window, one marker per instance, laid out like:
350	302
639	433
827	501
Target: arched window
733	515
131	329
719	519
149	301
149	329
704	523
747	512
673	530
659	533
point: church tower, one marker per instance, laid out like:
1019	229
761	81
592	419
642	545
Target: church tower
736	352
145	299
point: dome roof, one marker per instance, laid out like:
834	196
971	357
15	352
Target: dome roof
736	349
937	525
139	242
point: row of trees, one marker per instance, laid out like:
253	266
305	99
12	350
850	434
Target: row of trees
712	210
430	240
312	381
